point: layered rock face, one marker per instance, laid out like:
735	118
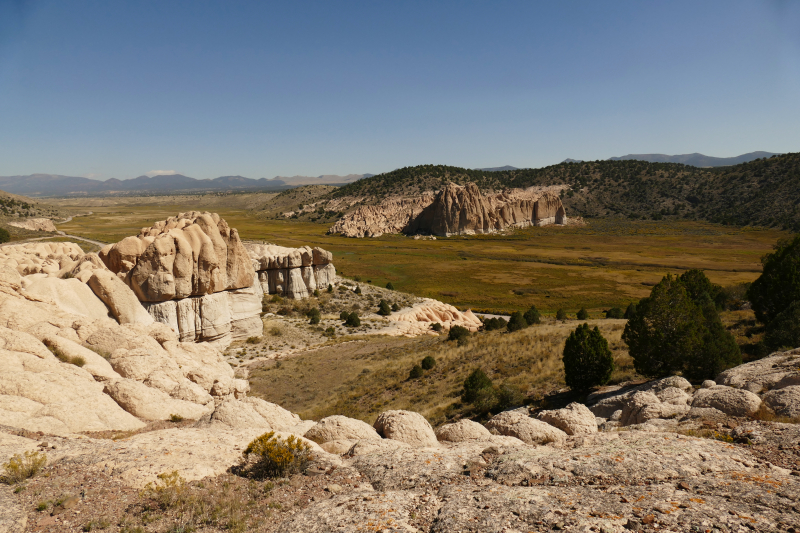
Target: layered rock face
455	210
41	257
35	224
292	272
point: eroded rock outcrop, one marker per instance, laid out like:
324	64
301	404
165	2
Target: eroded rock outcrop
455	210
35	224
292	272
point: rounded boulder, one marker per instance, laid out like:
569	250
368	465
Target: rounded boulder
406	426
338	427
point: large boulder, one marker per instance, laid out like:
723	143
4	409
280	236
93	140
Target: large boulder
785	401
732	402
574	419
237	414
150	403
643	406
774	372
462	431
119	298
276	416
339	427
69	295
406	426
519	424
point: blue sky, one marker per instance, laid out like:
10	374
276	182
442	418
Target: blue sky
115	89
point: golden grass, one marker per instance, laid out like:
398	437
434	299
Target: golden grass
362	378
609	262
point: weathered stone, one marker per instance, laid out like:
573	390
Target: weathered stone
406	426
462	431
519	424
575	419
119	298
784	401
339	428
733	402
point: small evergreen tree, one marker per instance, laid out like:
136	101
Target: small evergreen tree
698	286
353	321
615	312
532	316
437	327
315	316
779	284
330	287
416	372
428	362
358	289
343	315
316	293
583	314
516	322
491	324
390	286
587	359
630	311
459	334
561	314
395	307
384	309
476	382
783	331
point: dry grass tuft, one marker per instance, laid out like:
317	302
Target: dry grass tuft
22	467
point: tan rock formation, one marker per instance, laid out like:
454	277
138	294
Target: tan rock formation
40	257
417	320
462	431
406	426
119	298
455	210
529	430
35	224
291	272
574	419
338	428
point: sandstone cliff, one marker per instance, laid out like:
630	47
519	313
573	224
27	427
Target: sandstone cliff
455	210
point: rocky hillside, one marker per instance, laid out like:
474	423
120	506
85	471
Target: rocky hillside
762	192
24	216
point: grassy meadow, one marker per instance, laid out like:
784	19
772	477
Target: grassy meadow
362	378
607	262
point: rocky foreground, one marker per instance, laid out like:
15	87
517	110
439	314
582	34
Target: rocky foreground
113	403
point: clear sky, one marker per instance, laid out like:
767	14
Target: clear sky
112	88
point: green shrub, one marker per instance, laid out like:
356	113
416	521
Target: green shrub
476	382
395	307
390	286
459	334
330	287
275	456
670	332
587	359
384	309
343	315
615	312
630	311
416	372
64	358
583	314
783	331
779	284
314	316
532	316
175	418
353	320
253	340
316	293
4	235
561	314
494	323
330	331
428	362
437	327
22	467
358	289
516	322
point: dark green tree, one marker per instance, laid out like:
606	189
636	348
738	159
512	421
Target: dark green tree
384	309
353	320
783	331
460	334
358	289
315	316
532	316
494	323
428	362
416	372
697	285
476	382
583	314
343	315
615	312
630	311
4	235
395	307
587	359
779	284
671	332
330	287
516	322
561	314
390	286
437	327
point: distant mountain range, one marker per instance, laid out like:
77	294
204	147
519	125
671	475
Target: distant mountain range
695	160
57	185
